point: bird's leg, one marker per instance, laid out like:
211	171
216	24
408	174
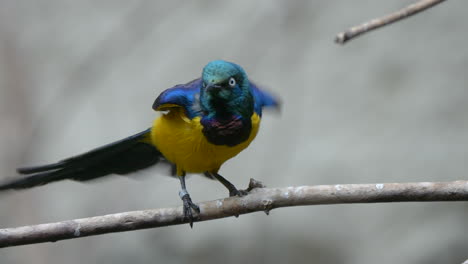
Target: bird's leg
173	170
233	191
187	201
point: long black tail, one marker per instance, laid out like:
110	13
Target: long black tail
121	157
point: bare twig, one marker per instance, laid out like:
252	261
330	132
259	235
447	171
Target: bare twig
408	11
259	199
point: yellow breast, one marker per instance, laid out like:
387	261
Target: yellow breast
182	142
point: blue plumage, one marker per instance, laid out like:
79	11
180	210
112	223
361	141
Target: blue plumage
184	95
188	96
262	99
209	120
225	100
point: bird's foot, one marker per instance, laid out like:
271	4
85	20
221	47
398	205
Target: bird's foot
253	184
188	207
239	193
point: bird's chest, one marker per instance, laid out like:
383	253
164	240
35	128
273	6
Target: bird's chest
229	131
185	142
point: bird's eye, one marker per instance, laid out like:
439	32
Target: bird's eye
232	82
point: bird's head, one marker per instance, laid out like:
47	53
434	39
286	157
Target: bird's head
225	87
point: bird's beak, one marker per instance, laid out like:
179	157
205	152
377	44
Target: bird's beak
213	87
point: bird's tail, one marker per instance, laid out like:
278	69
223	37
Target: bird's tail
121	157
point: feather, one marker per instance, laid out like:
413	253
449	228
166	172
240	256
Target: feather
121	157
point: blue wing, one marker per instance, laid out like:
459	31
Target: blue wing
181	95
187	97
263	99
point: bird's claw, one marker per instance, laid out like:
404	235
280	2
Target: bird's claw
188	206
238	193
253	184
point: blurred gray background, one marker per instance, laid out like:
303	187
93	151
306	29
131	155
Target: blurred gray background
391	106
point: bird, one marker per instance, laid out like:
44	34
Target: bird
203	123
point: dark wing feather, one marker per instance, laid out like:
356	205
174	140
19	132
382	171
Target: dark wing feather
120	157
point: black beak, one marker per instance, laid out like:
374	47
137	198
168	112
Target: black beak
213	88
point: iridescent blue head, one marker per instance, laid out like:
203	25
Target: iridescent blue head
226	90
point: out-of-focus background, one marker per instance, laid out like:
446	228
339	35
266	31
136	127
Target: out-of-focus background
391	106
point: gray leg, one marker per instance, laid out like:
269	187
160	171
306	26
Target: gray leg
187	202
233	191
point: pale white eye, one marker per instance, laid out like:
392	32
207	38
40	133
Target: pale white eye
232	82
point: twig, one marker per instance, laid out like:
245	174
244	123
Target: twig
408	11
259	199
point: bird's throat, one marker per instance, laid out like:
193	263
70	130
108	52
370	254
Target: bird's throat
228	130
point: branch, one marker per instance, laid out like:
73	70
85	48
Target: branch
259	199
408	11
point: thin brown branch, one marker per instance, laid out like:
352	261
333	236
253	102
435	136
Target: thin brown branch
259	199
408	11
